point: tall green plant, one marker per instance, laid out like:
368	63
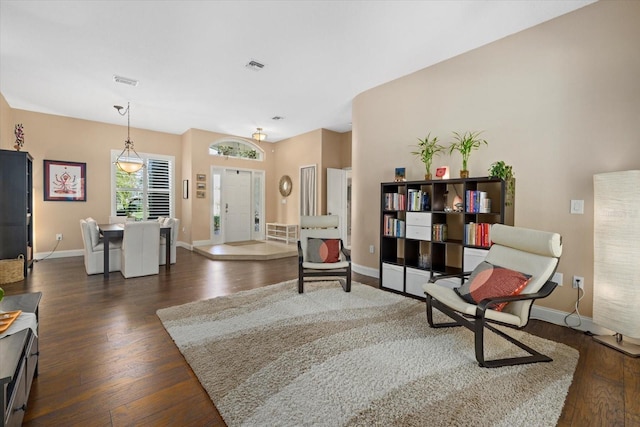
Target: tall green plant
504	171
465	143
427	149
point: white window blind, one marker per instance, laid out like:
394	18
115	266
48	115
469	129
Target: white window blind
146	194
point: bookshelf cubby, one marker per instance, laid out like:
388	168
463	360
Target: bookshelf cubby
424	235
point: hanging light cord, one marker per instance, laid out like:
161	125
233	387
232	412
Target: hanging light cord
575	310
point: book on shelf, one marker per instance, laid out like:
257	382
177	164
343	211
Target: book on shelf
393	227
477	234
418	200
477	201
394	201
439	232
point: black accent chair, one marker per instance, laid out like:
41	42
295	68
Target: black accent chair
532	252
322	227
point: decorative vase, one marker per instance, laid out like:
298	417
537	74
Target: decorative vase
464	173
428	176
17	147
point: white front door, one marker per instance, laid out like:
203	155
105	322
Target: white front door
237	195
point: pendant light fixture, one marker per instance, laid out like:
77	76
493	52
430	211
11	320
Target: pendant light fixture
258	135
128	161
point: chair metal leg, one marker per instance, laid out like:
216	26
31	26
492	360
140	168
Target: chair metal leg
534	357
300	280
430	303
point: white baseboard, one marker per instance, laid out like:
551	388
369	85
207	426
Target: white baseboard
202	242
184	245
58	254
367	271
80	252
557	318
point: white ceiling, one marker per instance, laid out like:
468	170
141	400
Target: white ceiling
59	57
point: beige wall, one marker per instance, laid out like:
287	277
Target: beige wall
7	138
321	147
345	149
291	154
62	138
560	102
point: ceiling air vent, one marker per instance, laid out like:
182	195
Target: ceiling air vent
277	118
254	65
125	80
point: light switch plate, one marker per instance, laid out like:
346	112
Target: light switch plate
577	207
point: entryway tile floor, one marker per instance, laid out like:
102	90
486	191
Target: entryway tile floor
253	250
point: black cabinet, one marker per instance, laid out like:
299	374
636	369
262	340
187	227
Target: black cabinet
16	206
437	228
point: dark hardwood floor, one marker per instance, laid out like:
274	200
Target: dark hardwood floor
106	360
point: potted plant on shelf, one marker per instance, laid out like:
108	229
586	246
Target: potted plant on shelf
427	149
504	171
465	143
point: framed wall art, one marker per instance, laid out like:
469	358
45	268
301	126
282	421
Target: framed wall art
65	181
201	177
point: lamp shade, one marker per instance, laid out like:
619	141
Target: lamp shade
616	266
258	135
129	166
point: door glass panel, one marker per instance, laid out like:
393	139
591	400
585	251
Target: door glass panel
217	204
257	204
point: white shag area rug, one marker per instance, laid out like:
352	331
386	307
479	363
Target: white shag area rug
273	357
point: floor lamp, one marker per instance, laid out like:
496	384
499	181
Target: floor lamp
616	266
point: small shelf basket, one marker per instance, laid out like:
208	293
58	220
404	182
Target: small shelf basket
12	270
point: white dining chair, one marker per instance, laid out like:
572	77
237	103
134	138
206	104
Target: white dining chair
140	254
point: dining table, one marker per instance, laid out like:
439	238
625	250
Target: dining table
114	231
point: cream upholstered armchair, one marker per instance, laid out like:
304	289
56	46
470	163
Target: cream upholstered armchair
174	223
94	249
516	271
321	252
140	243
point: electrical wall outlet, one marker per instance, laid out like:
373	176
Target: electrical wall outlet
578	282
59	236
577	207
372	249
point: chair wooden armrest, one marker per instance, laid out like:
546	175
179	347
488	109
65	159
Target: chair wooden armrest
544	292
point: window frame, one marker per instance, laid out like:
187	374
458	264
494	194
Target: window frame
238	148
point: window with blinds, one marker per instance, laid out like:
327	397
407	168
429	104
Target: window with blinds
146	194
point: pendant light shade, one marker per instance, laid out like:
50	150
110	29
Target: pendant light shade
128	161
258	135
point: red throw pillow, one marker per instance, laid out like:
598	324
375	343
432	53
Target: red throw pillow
491	281
323	250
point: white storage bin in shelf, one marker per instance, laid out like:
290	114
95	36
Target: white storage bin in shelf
417	232
473	257
393	277
419	218
415	279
